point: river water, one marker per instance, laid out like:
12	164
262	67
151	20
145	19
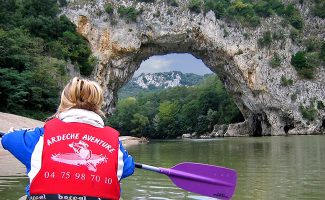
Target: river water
268	168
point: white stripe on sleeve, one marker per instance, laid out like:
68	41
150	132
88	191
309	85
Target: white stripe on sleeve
36	160
120	163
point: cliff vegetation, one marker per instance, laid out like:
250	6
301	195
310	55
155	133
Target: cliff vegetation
36	46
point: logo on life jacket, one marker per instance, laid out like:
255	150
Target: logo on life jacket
81	156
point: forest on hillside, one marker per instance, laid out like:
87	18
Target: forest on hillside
36	45
175	111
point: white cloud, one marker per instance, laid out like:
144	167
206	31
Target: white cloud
154	64
183	62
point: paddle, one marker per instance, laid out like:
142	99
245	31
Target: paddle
207	180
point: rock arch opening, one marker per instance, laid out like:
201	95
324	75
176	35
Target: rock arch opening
172	95
229	50
188	98
122	65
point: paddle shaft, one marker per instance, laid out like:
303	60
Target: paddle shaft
147	167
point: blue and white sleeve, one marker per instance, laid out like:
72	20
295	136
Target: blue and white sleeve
125	163
21	143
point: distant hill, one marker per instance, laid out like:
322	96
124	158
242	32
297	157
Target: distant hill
152	82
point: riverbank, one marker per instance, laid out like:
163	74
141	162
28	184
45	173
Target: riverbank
8	120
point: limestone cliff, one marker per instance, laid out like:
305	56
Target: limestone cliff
227	48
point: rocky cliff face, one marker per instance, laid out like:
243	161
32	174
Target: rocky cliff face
154	82
165	80
226	48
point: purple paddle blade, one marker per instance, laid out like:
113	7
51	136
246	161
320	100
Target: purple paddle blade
207	180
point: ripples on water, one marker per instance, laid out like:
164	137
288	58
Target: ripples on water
12	187
268	168
285	168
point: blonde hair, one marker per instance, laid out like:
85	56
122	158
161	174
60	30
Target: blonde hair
83	94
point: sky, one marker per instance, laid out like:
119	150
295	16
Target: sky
184	62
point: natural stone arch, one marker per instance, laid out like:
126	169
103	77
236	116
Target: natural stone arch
121	46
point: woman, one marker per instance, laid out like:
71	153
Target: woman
74	156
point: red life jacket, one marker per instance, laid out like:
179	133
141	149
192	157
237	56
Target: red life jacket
78	159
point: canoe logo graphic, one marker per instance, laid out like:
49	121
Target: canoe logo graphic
81	156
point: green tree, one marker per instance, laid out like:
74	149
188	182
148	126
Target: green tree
202	124
308	113
266	40
8	10
167	119
244	13
18	49
263	9
123	117
13	89
129	13
218	7
195	5
318	8
44	91
190	112
275	61
304	68
40	7
140	123
109	8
